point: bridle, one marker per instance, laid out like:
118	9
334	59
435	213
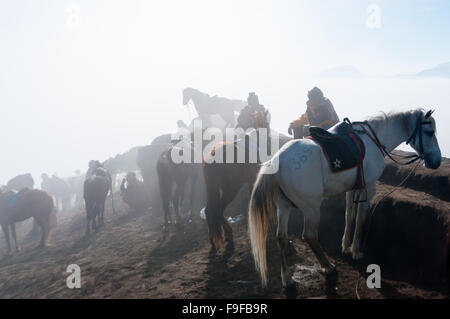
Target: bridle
418	131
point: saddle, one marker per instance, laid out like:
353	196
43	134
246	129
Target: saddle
342	147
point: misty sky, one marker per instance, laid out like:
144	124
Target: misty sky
83	80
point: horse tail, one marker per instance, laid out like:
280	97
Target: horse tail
261	215
212	210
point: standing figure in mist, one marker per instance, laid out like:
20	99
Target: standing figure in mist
319	112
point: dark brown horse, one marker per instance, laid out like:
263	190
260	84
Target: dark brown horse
173	179
224	180
16	207
95	190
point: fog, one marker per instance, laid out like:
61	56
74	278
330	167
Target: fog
75	90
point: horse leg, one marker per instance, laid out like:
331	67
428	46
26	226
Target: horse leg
177	198
89	214
192	183
95	212
13	232
45	234
360	228
5	228
227	197
166	192
282	238
101	215
350	214
310	235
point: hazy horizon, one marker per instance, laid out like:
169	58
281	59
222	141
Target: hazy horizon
88	80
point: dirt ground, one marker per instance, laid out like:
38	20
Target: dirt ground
131	258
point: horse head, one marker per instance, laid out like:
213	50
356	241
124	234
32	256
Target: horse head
187	95
423	140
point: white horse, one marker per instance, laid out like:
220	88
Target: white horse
305	185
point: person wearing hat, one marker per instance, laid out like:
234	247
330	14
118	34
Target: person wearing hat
252	107
319	112
253	103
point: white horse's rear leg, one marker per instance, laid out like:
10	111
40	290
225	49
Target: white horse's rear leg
361	219
350	214
310	234
282	237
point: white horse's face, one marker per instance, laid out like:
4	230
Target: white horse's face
431	151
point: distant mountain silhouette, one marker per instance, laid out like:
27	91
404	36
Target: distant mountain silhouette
440	70
347	71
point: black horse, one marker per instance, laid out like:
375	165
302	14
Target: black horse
95	190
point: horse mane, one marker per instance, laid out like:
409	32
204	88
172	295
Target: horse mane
403	117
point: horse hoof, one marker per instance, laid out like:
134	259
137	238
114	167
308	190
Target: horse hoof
290	289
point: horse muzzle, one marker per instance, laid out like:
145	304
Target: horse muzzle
432	163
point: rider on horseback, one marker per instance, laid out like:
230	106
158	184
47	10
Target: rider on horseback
246	115
319	112
253	103
93	166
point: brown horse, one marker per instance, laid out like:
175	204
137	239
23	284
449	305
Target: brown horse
175	175
224	180
16	207
95	190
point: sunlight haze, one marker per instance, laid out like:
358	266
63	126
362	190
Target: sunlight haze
84	80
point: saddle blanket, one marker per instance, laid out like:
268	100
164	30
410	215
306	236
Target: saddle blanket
343	151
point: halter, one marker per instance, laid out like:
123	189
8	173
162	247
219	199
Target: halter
412	138
418	131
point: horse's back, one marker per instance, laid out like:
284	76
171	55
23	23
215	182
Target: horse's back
31	203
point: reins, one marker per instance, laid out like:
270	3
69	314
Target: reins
373	136
371	213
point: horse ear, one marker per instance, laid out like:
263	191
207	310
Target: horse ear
428	114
